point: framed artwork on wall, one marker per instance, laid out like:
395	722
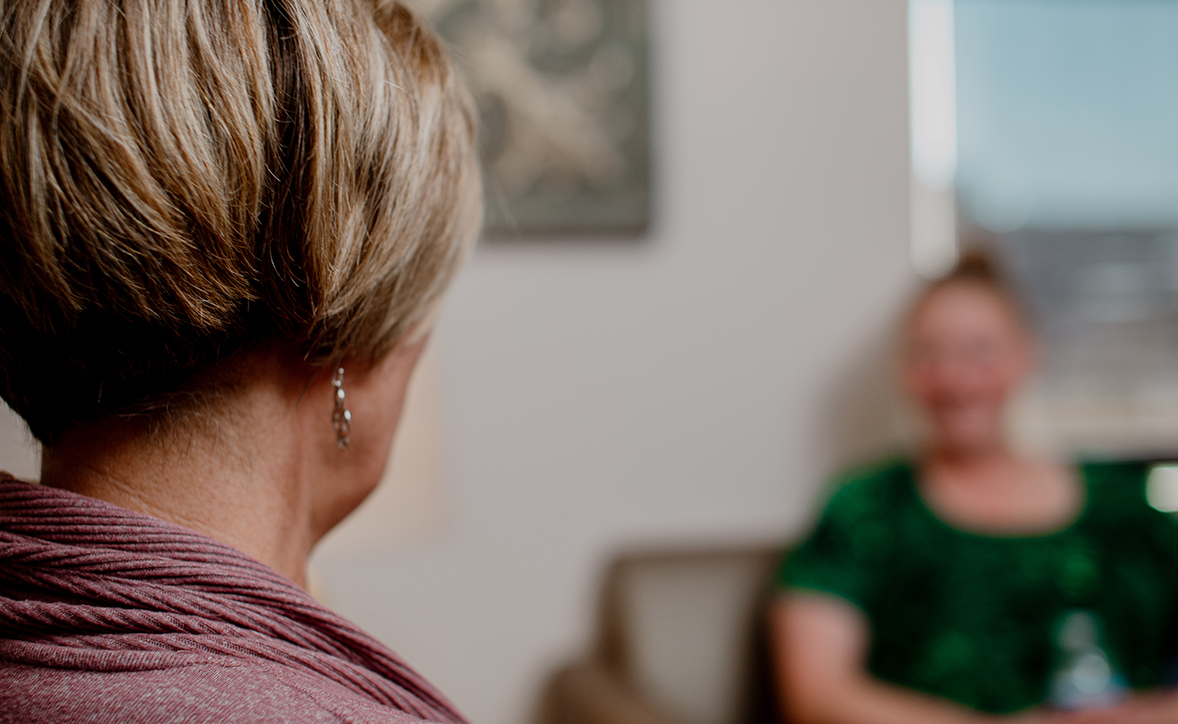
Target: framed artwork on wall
562	88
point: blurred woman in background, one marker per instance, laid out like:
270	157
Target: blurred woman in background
225	227
971	582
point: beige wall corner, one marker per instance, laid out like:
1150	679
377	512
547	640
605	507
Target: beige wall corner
19	452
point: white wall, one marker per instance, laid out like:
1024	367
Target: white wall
19	453
691	386
694	385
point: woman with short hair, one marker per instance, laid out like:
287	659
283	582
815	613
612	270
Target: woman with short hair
225	226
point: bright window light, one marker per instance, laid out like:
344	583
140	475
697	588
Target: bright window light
933	92
932	80
1161	488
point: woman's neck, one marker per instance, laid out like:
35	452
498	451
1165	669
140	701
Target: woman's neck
263	470
235	478
1000	492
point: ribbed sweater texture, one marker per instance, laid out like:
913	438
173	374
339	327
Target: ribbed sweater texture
108	615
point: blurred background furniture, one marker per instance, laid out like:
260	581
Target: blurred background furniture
681	639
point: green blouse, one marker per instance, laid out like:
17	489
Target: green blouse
972	617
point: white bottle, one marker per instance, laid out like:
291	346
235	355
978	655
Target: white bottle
1084	676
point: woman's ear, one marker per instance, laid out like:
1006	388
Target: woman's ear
372	396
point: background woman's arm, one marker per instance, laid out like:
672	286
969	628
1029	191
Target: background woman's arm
820	645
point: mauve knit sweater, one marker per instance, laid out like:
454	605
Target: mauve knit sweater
107	615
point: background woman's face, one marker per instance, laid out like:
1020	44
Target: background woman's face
966	355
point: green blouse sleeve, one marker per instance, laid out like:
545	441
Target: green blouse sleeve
1163	527
843	553
1120	490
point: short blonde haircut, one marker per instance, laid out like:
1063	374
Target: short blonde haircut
184	181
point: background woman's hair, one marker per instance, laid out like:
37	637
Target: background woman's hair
185	180
978	266
975	265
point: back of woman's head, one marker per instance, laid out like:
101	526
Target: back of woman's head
186	180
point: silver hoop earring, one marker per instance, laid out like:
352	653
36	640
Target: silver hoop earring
341	417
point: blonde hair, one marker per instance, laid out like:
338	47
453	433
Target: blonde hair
185	181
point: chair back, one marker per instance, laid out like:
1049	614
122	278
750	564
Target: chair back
684	628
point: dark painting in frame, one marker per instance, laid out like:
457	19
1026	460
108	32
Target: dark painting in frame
563	90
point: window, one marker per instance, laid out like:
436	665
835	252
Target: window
1049	129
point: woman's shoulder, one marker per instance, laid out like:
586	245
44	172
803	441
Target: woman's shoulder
1115	470
873	487
845	551
209	689
1116	487
877	477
